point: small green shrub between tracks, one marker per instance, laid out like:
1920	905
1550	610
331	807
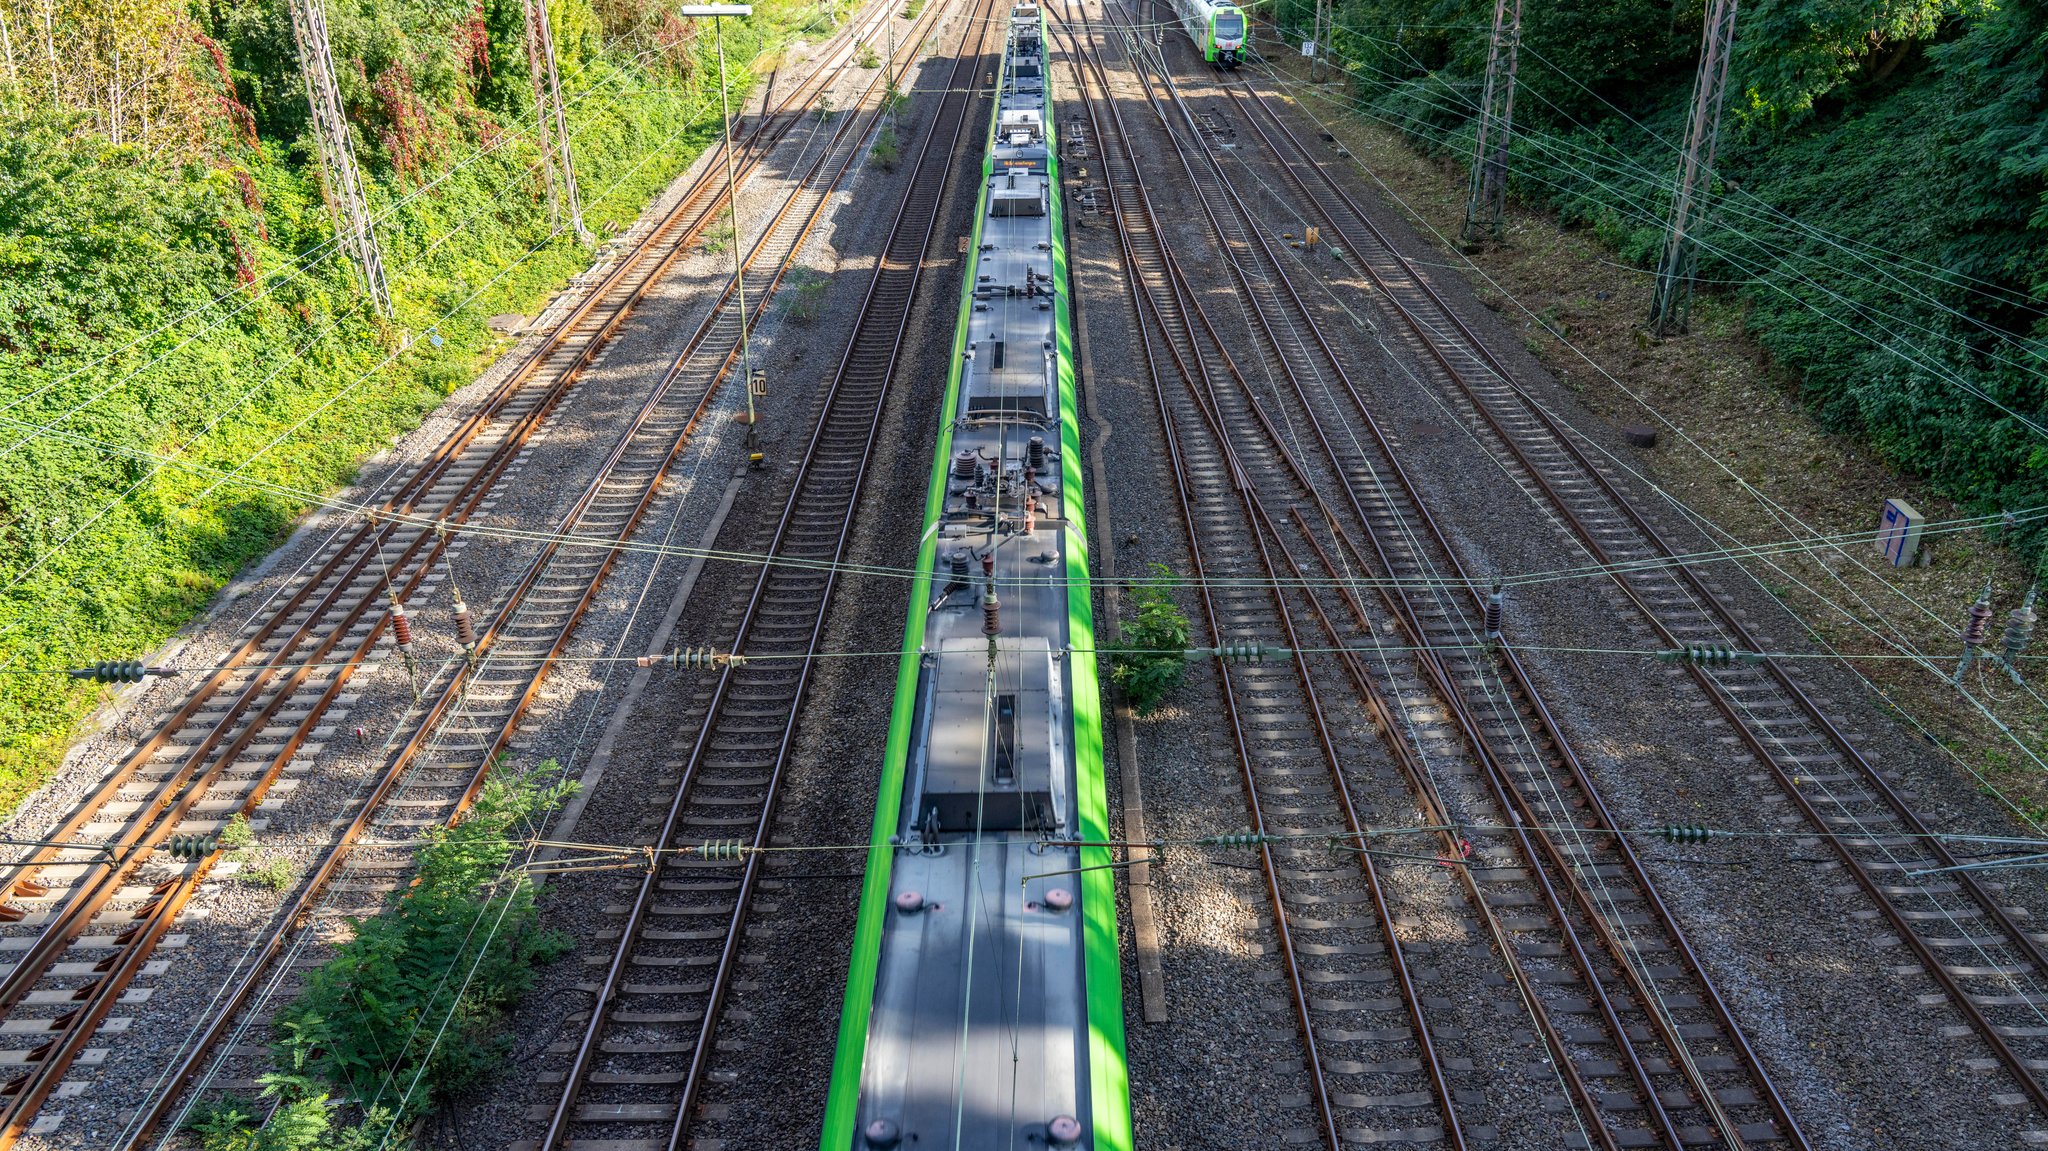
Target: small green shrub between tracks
1152	658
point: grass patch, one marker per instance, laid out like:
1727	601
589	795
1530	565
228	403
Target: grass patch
887	151
806	295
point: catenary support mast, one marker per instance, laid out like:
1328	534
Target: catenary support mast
558	166
1489	192
345	200
1673	299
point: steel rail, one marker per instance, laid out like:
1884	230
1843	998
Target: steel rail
1431	338
1623	1041
1147	305
783	252
1701	1089
840	447
79	1024
1784	1121
635	275
686	211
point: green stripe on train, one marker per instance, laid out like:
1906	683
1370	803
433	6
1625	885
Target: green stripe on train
1109	1086
842	1103
1109	1070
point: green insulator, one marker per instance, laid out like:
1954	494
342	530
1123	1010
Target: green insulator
1240	839
1709	655
192	846
1683	833
725	849
112	671
1239	651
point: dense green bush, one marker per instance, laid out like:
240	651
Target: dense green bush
183	370
407	1014
1884	203
1153	657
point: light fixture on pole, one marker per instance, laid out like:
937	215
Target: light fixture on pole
718	13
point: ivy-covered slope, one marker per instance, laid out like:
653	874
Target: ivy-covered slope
1882	207
185	362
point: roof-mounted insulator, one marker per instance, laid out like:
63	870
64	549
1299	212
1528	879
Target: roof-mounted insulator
1710	655
120	671
692	657
1240	651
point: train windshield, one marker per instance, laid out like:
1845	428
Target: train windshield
1229	25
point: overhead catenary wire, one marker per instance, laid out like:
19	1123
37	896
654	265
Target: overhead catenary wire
1736	550
2011	980
1759	274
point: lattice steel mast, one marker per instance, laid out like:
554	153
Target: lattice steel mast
344	184
558	167
1489	193
1673	299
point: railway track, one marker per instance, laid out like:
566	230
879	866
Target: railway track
637	1067
478	712
1644	1048
240	735
1974	944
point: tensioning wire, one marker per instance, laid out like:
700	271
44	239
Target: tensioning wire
1848	245
1761	276
160	461
1998	293
331	323
257	296
1714	528
1734	552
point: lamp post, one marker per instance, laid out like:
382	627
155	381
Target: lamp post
718	12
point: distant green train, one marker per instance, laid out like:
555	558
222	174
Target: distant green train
1218	29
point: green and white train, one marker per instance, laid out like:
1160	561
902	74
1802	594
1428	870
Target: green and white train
1218	29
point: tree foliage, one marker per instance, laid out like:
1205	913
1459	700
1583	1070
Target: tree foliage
185	363
1882	207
